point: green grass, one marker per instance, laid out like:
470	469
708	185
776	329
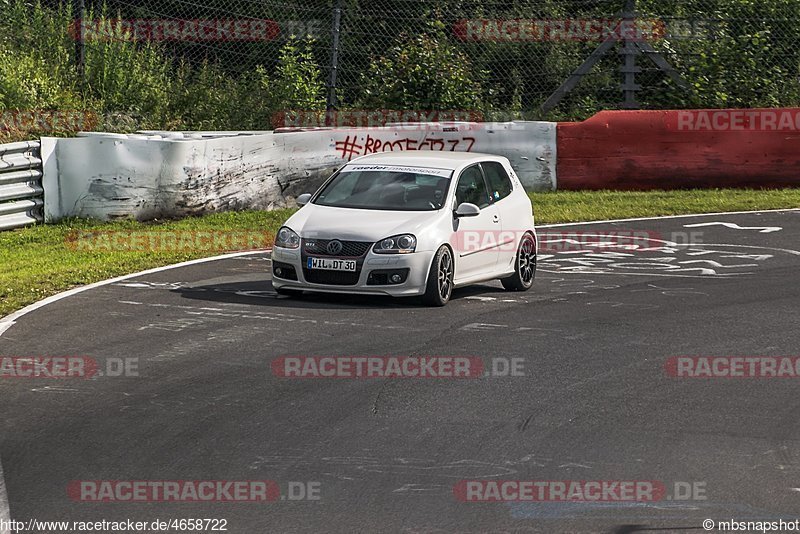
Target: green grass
575	206
40	261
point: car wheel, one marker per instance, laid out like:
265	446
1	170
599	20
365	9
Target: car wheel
525	266
440	279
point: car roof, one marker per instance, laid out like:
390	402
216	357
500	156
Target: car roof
427	158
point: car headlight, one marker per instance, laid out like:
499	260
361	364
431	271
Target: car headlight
398	244
287	238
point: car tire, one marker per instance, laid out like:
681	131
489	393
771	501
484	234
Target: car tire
524	266
440	278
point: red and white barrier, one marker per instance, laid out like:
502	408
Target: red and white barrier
158	174
680	149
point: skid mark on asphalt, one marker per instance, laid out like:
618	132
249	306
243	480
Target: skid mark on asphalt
671	291
427	475
420	488
181	324
218	315
530	330
617	304
152	404
355	467
56	389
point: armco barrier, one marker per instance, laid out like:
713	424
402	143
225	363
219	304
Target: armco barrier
169	174
20	184
680	149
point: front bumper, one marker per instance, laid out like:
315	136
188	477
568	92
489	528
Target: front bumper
417	263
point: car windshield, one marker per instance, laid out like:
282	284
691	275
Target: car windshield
387	187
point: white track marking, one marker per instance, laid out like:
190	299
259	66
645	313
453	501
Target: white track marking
9	320
5	513
734	226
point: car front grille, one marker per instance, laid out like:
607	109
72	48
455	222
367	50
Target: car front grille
350	249
356	250
334	278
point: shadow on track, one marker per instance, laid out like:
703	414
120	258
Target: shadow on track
261	293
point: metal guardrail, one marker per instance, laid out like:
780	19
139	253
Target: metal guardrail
20	184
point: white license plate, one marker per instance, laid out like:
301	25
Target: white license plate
331	265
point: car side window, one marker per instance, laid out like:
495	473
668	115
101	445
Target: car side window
472	188
499	182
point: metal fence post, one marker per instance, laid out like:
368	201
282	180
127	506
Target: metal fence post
335	30
629	52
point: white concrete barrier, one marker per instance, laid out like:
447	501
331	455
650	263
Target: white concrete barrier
170	174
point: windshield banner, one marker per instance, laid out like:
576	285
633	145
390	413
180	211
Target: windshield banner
444	173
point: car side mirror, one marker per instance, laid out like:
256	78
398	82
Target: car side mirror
467	209
303	199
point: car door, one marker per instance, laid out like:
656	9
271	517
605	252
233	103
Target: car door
475	243
514	222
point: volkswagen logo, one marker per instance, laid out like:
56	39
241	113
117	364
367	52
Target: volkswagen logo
334	247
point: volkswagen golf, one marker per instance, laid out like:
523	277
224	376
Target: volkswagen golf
410	224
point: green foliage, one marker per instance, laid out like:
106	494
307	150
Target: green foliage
742	54
34	58
123	76
206	98
26	82
130	85
298	81
395	54
423	72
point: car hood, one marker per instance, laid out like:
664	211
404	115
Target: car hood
325	222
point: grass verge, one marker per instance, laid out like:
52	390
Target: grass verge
576	206
40	261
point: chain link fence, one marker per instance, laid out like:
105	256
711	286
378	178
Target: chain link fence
123	65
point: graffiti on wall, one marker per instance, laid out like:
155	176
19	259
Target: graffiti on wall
351	146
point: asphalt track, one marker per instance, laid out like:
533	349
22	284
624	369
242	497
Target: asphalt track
595	402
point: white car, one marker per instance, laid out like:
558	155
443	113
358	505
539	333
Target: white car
410	224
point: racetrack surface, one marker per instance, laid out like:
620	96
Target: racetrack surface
595	402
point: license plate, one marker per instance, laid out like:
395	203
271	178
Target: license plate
331	265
